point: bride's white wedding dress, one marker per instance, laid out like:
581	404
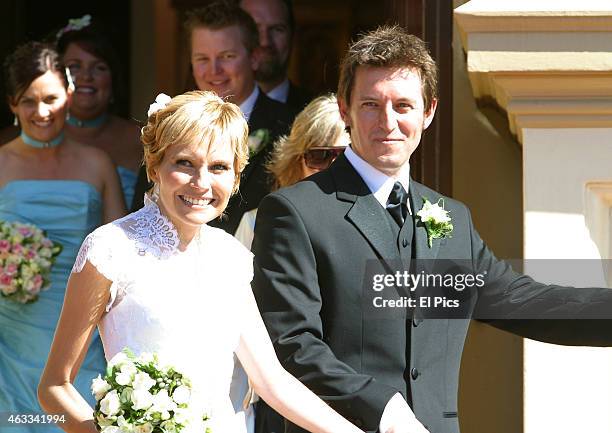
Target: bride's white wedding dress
187	306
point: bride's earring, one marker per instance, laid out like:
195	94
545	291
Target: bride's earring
16	121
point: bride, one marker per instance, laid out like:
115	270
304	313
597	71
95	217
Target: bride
161	280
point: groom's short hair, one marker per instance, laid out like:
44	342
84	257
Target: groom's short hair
221	14
389	47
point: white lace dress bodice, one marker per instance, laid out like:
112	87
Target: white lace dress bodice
187	306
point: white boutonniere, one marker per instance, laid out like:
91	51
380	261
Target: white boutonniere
436	220
257	141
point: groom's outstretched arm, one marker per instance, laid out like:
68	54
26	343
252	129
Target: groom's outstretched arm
286	287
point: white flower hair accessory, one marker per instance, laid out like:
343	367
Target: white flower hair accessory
75	24
160	102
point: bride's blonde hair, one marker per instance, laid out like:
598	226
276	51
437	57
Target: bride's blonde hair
191	118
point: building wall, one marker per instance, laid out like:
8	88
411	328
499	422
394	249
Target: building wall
487	177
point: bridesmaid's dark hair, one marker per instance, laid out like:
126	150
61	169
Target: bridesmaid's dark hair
28	62
94	41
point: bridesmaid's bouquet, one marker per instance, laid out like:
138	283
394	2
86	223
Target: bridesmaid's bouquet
26	258
140	395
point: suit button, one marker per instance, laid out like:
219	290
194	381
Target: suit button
358	423
414	373
404	242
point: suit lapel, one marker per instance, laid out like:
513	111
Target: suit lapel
366	213
368	216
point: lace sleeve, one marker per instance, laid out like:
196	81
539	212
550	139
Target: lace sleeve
98	249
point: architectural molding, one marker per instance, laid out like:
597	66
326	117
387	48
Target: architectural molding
545	65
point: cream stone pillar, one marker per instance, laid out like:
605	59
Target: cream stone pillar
548	66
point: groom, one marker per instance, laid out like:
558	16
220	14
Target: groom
388	370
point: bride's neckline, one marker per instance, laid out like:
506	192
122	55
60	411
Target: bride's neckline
154	232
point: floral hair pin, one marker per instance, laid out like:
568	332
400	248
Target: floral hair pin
160	102
75	24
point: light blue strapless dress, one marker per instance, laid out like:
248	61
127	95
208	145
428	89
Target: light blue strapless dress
67	210
128	183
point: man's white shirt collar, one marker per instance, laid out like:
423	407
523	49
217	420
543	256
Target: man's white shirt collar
379	183
249	103
281	92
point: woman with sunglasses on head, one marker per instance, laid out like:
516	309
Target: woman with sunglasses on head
64	188
317	137
98	91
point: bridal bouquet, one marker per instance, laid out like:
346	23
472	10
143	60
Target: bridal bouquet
140	395
26	258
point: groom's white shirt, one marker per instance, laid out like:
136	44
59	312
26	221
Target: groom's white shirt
378	182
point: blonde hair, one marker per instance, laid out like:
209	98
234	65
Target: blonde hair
319	124
197	117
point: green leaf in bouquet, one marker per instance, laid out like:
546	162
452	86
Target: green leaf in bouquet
129	353
57	249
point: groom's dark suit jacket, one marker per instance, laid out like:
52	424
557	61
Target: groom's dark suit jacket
255	181
313	242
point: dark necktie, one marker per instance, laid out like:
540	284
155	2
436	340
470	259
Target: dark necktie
397	203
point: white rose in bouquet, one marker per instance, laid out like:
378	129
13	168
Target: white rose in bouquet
128	370
141	399
143	381
99	387
181	395
118	360
110	404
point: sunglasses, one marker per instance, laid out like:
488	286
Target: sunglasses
320	158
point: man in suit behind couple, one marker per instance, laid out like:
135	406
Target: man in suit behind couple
388	372
224	54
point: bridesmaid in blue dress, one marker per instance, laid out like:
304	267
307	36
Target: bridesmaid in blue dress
95	70
63	187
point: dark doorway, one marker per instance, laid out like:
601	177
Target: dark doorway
25	20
